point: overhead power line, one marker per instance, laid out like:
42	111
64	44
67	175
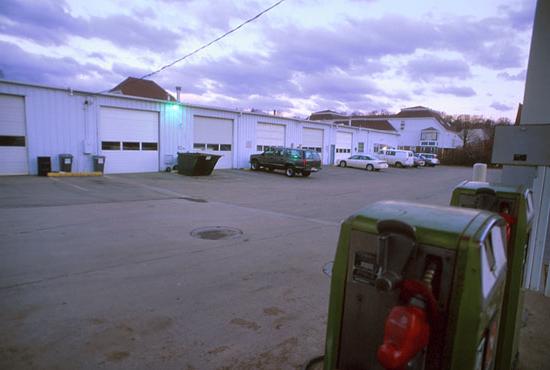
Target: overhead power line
215	40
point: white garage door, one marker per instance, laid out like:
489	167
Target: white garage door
312	139
13	149
129	140
269	135
214	136
344	142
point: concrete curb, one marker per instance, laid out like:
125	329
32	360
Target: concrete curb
74	174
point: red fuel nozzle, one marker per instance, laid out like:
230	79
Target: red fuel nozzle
407	329
407	332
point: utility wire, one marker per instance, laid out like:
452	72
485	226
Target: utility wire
213	41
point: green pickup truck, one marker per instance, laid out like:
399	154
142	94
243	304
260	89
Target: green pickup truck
291	160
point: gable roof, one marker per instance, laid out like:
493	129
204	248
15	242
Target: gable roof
144	88
423	112
380	124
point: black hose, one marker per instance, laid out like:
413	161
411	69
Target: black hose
313	361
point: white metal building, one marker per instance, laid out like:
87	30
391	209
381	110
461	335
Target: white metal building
144	135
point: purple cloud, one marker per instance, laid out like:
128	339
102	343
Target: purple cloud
500	107
50	23
520	76
426	68
18	65
460	91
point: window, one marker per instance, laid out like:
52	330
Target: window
110	145
428	135
225	147
295	153
360	147
402	125
149	146
130	145
312	155
12	140
213	147
259	148
199	146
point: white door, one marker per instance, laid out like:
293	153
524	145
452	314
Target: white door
343	145
312	139
13	140
129	140
213	135
269	135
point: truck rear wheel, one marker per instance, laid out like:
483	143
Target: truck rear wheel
290	172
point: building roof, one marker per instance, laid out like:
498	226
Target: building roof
144	88
326	115
372	124
423	112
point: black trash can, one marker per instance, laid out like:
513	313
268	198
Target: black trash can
44	166
65	162
196	164
99	163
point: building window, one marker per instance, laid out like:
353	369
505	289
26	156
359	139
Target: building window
360	147
127	145
12	140
225	147
199	146
428	135
149	146
402	125
110	145
213	147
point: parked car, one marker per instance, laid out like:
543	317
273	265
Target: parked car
291	160
367	162
419	161
397	157
430	158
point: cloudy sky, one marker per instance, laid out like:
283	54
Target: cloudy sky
465	56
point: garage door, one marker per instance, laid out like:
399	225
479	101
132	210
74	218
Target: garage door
343	145
13	149
214	136
269	135
312	139
129	140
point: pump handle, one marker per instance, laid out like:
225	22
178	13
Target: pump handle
396	227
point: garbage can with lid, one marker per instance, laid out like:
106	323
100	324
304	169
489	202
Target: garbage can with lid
65	162
196	164
99	163
44	165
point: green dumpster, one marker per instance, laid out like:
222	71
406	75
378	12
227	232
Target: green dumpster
196	164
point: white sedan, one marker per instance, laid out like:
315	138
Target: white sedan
367	162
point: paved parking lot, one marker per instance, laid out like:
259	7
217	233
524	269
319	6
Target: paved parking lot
103	272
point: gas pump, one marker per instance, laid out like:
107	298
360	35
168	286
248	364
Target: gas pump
515	205
416	287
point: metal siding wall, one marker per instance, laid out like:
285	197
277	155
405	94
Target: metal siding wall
54	123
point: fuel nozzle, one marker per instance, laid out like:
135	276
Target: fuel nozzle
407	328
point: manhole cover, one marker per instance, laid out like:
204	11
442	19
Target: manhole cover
216	233
327	268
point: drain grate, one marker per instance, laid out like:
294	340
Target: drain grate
327	268
216	233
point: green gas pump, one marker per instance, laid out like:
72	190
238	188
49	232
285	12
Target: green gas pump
515	205
416	287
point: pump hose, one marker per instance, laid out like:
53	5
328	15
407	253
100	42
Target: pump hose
313	361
